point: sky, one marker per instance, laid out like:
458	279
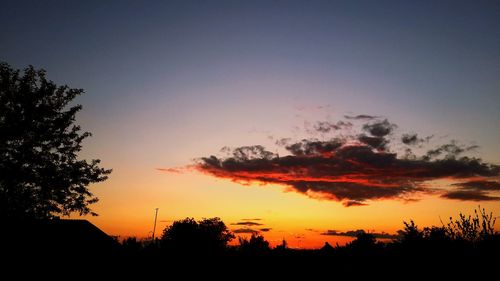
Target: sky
170	83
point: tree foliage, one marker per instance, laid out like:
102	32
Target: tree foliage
41	175
257	244
191	236
472	228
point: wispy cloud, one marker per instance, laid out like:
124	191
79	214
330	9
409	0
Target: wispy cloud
355	233
361	117
247	223
475	190
245	231
470	195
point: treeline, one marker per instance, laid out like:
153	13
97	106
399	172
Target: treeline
466	236
465	245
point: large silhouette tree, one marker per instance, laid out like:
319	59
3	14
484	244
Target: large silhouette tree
41	175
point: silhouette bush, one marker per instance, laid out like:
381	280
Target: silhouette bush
470	228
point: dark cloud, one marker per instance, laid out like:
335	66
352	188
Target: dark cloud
355	233
352	174
247	223
479	185
410	139
267	229
414	139
449	151
470	195
359	168
361	117
346	173
314	147
245	153
476	190
246	231
380	128
379	143
326	126
331	232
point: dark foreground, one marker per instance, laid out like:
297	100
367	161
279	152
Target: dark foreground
77	249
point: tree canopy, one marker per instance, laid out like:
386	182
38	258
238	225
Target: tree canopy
191	236
41	174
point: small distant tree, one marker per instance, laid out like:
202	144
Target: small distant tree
189	236
41	175
364	241
257	244
411	235
283	246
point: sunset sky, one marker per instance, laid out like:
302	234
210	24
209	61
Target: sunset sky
334	92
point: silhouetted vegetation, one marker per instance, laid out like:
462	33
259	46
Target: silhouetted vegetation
256	245
41	175
204	237
468	243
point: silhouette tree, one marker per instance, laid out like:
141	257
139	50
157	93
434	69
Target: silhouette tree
41	174
364	241
411	235
131	245
256	245
207	236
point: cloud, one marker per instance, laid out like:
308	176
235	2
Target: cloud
314	147
379	128
413	139
482	185
474	190
350	203
351	174
361	167
172	170
448	151
254	219
470	195
266	229
355	233
247	223
379	143
326	127
361	117
246	230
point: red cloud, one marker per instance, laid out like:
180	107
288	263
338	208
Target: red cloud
353	170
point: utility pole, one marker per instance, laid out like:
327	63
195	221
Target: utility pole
154	227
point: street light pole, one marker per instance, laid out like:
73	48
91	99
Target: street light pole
154	227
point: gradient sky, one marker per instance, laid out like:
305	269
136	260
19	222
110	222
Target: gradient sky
170	81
